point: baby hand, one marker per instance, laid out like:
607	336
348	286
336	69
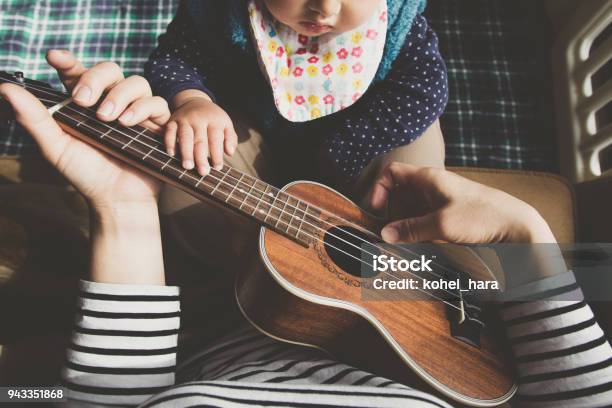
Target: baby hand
202	128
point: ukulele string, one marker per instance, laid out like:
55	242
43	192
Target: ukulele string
262	192
312	236
287	205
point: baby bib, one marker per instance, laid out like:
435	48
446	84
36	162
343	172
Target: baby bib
313	77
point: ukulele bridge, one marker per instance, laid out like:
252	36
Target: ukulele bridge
464	315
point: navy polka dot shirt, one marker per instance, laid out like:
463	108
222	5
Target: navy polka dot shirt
393	112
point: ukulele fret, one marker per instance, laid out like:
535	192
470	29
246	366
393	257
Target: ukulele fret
166	163
147	155
105	134
282	212
135	138
299	230
127	144
202	183
265	196
242	191
259	200
254	200
112	134
295	208
272	206
220	182
234	188
199	181
248	194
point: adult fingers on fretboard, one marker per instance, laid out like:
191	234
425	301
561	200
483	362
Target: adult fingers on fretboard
95	81
123	94
68	67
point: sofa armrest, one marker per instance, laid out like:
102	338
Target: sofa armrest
594	202
552	195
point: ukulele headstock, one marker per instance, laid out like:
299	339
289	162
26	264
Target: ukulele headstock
44	92
18	79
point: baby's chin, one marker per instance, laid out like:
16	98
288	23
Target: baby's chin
311	32
338	28
307	34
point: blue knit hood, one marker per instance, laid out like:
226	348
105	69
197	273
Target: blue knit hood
401	14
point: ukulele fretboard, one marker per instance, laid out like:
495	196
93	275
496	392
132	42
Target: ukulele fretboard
248	195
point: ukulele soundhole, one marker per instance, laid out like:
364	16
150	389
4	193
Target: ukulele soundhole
347	246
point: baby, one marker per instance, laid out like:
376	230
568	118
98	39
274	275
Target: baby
330	83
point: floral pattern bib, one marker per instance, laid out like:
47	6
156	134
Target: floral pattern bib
312	77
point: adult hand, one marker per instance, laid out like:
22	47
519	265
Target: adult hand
437	205
104	181
125	231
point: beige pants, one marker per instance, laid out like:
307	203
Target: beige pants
199	235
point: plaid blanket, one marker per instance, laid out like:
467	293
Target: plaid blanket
496	116
95	30
498	57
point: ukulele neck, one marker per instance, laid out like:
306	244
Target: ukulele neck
230	187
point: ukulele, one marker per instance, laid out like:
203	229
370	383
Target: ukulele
310	292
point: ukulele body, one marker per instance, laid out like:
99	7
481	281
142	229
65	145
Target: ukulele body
301	296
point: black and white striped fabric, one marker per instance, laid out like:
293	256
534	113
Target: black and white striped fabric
124	347
563	357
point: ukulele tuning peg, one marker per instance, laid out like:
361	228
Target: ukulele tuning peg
19	77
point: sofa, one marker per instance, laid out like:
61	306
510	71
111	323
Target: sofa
44	222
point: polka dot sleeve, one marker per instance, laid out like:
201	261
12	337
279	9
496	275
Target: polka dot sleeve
395	111
180	61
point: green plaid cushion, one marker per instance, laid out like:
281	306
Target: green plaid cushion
95	30
499	113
